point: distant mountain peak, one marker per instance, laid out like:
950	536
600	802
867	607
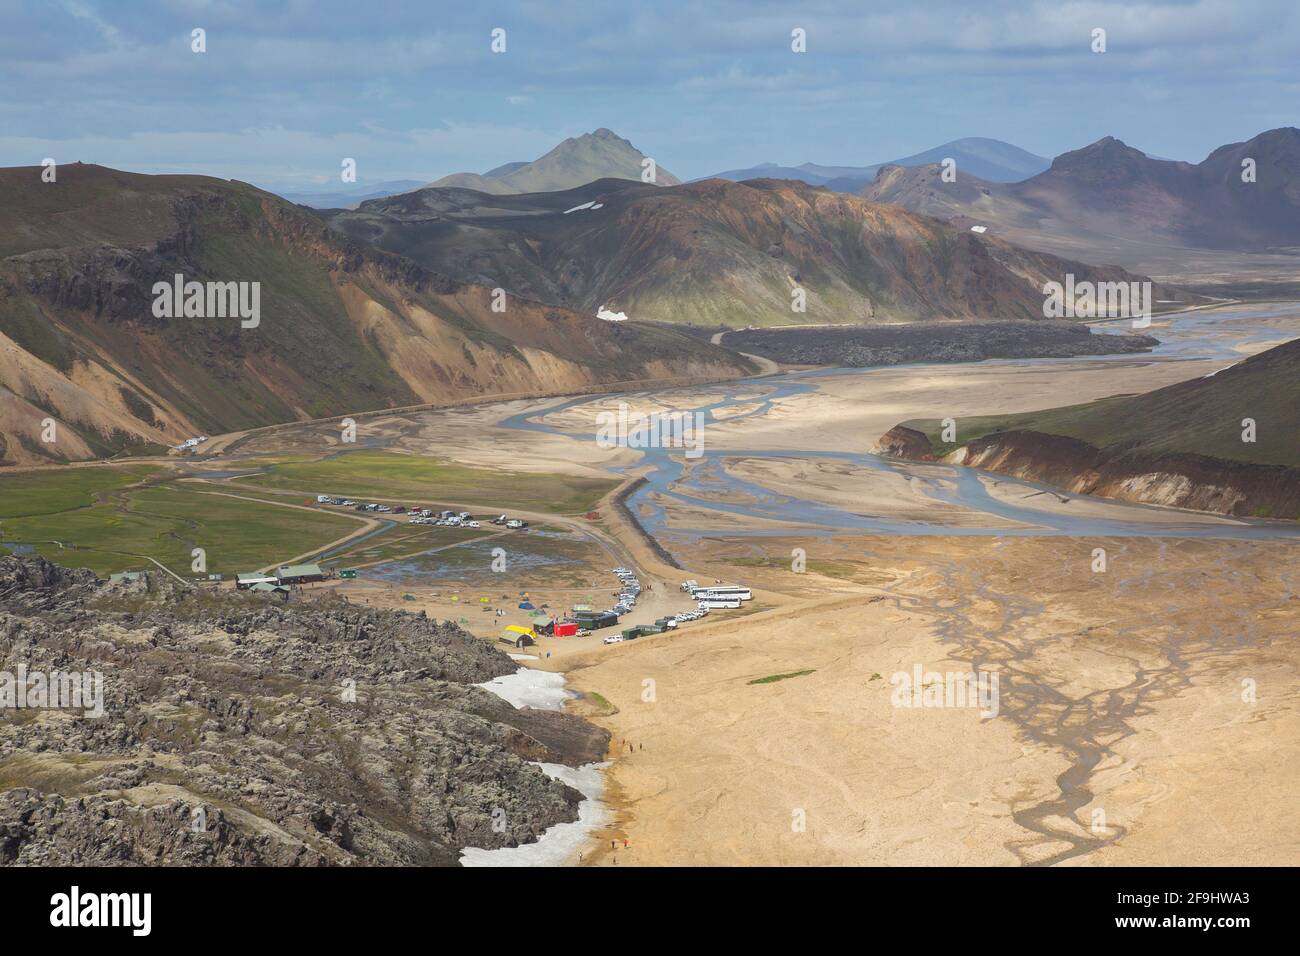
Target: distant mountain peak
1283	134
1107	160
986	159
574	162
1283	141
1107	148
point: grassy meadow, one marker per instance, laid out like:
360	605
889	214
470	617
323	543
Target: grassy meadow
115	518
409	479
111	519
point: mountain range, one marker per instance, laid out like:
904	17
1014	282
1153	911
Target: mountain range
602	154
714	252
342	328
1109	202
989	159
1104	203
445	293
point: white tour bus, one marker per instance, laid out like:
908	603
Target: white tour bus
725	591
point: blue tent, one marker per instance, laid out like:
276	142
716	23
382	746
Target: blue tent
526	606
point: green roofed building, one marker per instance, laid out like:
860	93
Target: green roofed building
124	576
299	573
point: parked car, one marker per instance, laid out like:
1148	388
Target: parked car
613	639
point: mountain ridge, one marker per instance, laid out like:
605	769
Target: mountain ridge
1112	203
986	158
714	252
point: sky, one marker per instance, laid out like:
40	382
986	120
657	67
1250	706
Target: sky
286	90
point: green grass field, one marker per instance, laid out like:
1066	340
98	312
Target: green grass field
408	479
103	519
114	518
55	491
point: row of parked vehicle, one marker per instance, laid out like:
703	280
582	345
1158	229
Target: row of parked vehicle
627	600
443	519
630	592
418	515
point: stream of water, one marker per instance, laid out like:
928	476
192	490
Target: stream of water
1197	335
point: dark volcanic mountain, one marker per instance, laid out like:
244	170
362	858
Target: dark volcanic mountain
343	328
1181	445
578	160
1109	202
714	252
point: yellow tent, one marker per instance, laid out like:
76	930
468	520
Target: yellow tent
514	632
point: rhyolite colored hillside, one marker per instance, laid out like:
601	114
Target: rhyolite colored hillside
343	327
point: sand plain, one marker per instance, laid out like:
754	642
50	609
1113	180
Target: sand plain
1122	736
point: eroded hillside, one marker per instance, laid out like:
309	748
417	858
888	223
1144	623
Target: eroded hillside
341	328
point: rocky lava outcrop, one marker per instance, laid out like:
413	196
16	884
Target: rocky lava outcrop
238	729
